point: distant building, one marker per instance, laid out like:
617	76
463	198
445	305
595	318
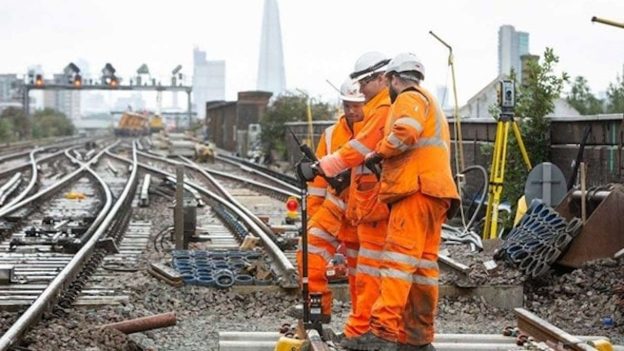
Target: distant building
8	89
478	106
271	74
443	96
208	81
228	122
512	45
65	101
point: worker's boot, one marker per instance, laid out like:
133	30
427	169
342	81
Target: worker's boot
406	347
369	342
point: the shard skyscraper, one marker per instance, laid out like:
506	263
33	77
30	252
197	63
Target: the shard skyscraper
271	76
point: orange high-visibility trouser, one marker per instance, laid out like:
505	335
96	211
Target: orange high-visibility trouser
367	280
321	249
404	311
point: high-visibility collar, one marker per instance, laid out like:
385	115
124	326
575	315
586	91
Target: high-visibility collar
382	98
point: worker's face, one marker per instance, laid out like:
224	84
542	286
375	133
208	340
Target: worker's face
353	111
371	86
392	88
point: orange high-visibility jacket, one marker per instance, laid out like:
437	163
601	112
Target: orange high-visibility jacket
416	149
331	140
368	133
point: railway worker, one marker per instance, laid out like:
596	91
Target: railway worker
327	226
416	180
364	210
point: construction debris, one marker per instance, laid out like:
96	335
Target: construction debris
538	240
144	323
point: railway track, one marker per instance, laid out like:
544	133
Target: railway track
54	252
233	213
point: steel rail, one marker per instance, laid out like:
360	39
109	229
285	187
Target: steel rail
25	165
288	272
224	193
542	330
288	190
53	290
237	161
33	179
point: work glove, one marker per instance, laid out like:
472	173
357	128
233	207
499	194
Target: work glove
331	165
372	160
307	170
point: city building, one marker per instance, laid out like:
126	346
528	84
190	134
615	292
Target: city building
208	81
65	101
8	88
512	45
271	74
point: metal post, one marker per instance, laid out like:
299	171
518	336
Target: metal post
178	218
188	107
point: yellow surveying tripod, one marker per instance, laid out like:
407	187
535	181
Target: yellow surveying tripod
506	99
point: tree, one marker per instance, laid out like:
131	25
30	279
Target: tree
535	99
289	107
19	123
6	130
615	96
51	123
581	98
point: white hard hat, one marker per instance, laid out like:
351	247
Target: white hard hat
406	62
369	64
350	91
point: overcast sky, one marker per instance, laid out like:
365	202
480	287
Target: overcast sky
321	38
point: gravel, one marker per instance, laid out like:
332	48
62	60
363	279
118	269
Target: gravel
576	302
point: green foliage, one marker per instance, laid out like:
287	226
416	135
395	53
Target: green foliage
289	107
535	99
582	99
51	123
615	96
17	123
6	130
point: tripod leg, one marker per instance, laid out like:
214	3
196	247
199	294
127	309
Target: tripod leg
497	176
523	152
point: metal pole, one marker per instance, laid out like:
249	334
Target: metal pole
607	22
188	106
178	218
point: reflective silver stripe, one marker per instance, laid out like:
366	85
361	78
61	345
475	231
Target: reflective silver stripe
419	279
320	233
316	191
396	142
415	279
362	170
408	121
329	132
366	269
352	253
424	142
407	259
394	273
336	201
364	252
361	148
320	251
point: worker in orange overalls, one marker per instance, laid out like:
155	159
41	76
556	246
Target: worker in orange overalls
364	209
416	180
327	226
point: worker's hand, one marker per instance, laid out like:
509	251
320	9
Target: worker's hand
372	160
307	170
331	165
